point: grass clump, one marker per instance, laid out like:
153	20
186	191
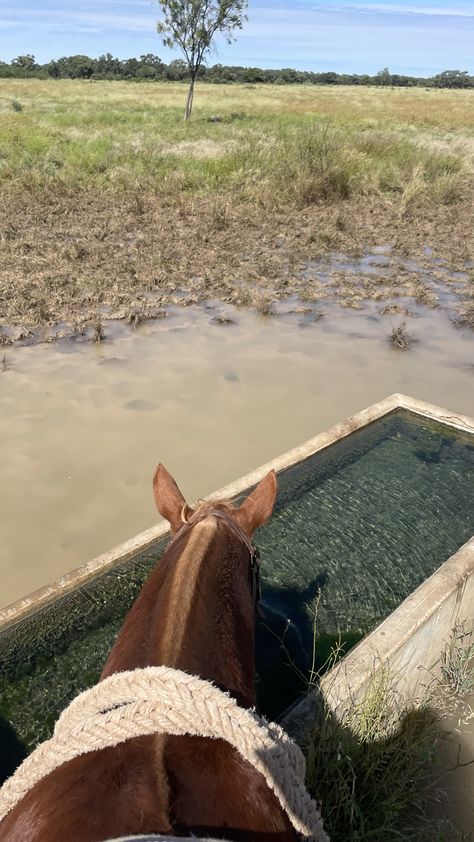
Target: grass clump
16	106
371	768
98	328
223	319
373	764
313	163
457	660
465	317
400	339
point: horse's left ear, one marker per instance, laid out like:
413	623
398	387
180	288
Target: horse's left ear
258	507
168	498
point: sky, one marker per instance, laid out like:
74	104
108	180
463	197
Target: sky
418	37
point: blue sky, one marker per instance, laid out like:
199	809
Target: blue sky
418	37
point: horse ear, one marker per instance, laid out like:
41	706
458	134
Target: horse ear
258	507
168	498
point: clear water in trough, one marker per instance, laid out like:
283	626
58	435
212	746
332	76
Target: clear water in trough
356	529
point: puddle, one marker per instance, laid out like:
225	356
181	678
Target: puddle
83	425
348	276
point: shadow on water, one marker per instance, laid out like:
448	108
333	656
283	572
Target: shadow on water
432	453
288	651
12	751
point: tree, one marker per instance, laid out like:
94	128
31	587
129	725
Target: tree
24	65
191	26
150	67
453	79
383	77
108	66
73	67
177	70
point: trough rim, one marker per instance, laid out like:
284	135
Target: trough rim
79	576
394	631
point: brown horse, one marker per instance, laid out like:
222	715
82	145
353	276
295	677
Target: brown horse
196	612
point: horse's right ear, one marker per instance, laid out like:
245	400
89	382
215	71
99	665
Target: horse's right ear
168	498
257	508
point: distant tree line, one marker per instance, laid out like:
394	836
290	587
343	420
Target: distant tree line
150	68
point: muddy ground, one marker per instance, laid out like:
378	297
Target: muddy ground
71	260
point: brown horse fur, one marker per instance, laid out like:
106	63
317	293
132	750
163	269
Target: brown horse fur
196	612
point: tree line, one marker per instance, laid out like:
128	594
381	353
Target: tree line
150	67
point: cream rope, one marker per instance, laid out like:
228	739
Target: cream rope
168	701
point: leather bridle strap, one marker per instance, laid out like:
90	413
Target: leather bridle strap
254	569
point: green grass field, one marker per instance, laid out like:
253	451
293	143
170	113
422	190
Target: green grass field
341	141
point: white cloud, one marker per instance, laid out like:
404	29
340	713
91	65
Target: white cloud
99	21
391	8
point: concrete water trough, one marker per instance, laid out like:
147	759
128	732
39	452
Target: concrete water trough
372	531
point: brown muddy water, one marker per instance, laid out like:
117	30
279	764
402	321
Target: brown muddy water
83	425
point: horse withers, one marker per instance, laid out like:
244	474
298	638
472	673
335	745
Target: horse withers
195	613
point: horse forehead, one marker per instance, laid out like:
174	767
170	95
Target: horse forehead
200	536
201	539
207	526
183	581
204	529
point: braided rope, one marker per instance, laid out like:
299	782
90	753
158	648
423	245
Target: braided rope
163	700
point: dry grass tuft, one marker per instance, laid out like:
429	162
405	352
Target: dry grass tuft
266	308
222	319
465	317
99	332
457	660
400	339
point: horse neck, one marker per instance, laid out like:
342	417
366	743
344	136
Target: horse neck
195	613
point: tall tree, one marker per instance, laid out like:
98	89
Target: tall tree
192	24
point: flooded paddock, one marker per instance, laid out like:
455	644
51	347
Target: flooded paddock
83	424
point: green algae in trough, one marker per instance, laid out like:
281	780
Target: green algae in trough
357	527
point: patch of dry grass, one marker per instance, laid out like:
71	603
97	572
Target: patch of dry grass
447	110
465	317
